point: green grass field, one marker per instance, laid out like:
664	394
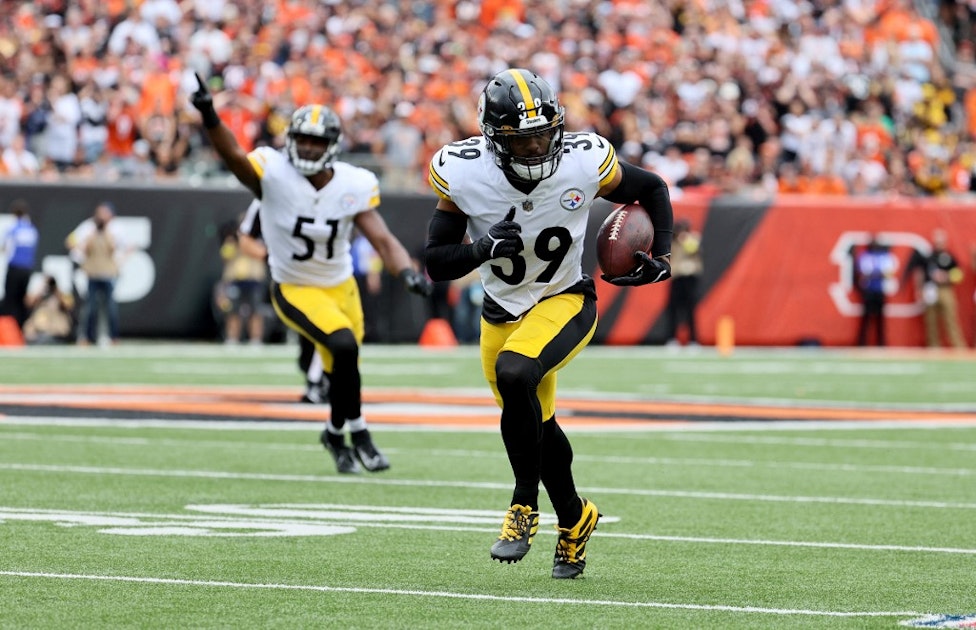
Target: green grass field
109	522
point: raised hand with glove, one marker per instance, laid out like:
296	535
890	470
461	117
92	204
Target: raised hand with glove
651	270
203	101
503	239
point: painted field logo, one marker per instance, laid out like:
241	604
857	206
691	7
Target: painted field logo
266	520
942	621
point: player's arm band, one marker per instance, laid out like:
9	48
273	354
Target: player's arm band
650	191
445	256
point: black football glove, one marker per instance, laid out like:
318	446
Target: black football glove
502	239
416	282
651	270
203	101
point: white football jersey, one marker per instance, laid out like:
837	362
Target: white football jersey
308	231
553	216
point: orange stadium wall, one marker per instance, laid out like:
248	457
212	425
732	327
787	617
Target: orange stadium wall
779	270
782	271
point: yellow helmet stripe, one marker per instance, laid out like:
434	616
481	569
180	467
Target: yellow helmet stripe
526	94
316	112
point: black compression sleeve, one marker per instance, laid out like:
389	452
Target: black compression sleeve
650	191
445	256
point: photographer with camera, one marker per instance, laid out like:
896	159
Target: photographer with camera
96	248
51	319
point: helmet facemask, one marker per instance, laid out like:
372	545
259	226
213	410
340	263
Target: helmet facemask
515	107
533	168
320	123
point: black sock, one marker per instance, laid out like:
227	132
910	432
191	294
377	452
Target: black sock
570	513
557	474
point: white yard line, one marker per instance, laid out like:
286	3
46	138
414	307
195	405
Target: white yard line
471	485
822	442
697	462
305	518
457	595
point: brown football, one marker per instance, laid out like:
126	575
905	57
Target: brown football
625	231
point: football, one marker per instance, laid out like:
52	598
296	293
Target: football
626	230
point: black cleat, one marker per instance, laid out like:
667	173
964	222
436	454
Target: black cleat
367	453
570	559
343	455
518	530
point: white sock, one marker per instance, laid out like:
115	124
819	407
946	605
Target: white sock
314	373
331	428
357	424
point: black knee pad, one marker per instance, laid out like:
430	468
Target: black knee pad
343	346
517	372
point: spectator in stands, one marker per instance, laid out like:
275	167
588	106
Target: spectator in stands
36	112
76	35
92	128
163	14
673	68
61	132
209	49
19	248
18	161
790	181
398	146
134	36
671	166
741	163
11	109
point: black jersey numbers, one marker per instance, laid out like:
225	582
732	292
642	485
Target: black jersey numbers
516	276
465	149
551	247
574	141
301	232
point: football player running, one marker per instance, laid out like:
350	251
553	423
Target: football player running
310	203
521	192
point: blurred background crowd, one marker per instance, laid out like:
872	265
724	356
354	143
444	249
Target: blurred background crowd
859	97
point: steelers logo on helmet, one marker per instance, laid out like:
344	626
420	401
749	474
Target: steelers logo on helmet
522	121
313	138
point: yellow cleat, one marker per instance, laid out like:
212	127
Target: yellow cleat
570	557
518	530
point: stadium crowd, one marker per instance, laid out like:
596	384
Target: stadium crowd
861	97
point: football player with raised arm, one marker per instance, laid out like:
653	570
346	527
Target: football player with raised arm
521	192
310	203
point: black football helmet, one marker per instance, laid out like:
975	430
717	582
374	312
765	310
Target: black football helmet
317	121
519	104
